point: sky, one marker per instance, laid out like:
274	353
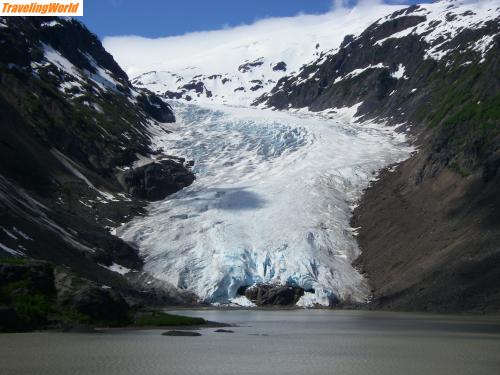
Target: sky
161	18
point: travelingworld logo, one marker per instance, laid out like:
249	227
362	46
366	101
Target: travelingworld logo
41	8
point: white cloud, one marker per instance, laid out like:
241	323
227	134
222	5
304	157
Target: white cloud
343	4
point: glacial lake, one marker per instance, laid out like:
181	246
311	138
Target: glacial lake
271	343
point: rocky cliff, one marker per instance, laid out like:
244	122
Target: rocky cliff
429	228
71	124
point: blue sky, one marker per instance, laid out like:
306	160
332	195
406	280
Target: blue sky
157	18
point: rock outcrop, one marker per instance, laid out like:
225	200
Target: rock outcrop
35	294
274	295
157	180
100	305
429	228
181	333
70	121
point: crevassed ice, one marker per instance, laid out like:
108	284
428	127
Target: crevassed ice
271	202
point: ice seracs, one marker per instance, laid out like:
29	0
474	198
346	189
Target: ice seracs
275	190
271	203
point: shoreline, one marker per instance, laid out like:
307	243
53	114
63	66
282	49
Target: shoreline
428	314
390	315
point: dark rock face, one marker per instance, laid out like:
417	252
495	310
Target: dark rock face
256	87
155	107
431	245
274	295
281	66
430	230
63	133
248	66
196	86
37	276
157	180
10	320
34	294
241	290
102	305
27	294
172	95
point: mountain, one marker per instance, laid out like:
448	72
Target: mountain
77	155
277	206
236	66
429	229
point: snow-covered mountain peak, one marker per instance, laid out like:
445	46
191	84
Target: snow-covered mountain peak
235	66
389	57
444	20
254	170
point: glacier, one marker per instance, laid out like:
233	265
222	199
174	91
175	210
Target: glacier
272	201
275	190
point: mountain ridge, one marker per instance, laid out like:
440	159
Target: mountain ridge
430	71
427	229
78	137
236	66
71	125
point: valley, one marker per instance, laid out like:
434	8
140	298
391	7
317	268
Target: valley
271	203
346	159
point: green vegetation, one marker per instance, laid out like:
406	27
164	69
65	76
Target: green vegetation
68	316
466	116
485	115
30	291
456	167
32	307
14	261
450	97
159	319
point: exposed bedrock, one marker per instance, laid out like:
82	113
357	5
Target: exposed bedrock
274	295
65	129
157	180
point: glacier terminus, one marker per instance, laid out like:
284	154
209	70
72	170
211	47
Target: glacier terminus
271	203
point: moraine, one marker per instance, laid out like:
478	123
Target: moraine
271	203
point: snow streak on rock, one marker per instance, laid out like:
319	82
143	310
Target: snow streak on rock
444	20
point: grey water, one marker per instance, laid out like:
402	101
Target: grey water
271	343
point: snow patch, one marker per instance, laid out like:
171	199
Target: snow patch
357	72
400	72
483	46
13	252
51	23
318	297
242	301
118	269
22	234
55	57
73	168
9	234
